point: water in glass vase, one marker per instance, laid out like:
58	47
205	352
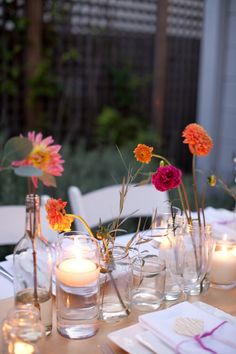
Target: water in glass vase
77	310
26	296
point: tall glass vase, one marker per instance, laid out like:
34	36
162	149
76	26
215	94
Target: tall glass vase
77	283
189	257
33	265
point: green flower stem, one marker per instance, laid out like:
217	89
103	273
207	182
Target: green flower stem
195	189
203	202
183	200
183	205
161	158
105	247
227	189
187	202
83	222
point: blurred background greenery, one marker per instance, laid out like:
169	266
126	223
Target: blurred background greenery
96	75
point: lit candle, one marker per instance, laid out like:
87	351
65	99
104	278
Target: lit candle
223	267
22	348
77	272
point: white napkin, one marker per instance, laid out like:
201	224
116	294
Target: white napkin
27	266
6	286
161	323
223	221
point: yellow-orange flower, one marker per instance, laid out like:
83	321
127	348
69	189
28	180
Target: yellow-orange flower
143	153
56	215
199	142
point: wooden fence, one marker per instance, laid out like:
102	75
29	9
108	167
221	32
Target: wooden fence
62	62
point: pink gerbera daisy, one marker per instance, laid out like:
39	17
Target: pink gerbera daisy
44	156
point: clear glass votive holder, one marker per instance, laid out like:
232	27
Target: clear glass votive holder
77	285
222	272
22	329
148	282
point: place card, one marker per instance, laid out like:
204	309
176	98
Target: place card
187	326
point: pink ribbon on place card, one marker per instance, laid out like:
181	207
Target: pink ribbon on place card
198	338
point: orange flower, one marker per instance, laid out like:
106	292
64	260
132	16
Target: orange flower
143	153
199	142
56	215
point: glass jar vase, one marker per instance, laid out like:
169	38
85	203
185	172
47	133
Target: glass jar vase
189	257
116	285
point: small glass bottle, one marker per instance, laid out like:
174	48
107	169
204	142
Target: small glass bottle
33	265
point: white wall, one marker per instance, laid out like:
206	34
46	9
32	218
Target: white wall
217	86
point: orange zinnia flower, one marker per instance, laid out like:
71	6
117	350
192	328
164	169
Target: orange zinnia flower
56	215
199	142
143	153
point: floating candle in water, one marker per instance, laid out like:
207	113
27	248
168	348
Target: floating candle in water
77	272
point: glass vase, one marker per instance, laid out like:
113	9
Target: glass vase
189	257
116	285
77	283
33	265
162	225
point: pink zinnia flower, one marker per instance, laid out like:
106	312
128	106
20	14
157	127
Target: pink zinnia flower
166	177
44	156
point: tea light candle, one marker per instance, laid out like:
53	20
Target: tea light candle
22	348
223	267
77	272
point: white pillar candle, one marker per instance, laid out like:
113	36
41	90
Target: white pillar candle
77	272
223	266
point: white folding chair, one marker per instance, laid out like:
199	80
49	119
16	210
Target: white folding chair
12	226
103	204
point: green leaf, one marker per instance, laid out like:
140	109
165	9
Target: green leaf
28	171
48	180
16	149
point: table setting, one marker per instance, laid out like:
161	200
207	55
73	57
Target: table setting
133	336
169	288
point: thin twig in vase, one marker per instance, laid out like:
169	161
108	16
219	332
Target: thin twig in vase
118	293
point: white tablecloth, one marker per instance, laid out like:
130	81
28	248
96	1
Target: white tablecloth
222	220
